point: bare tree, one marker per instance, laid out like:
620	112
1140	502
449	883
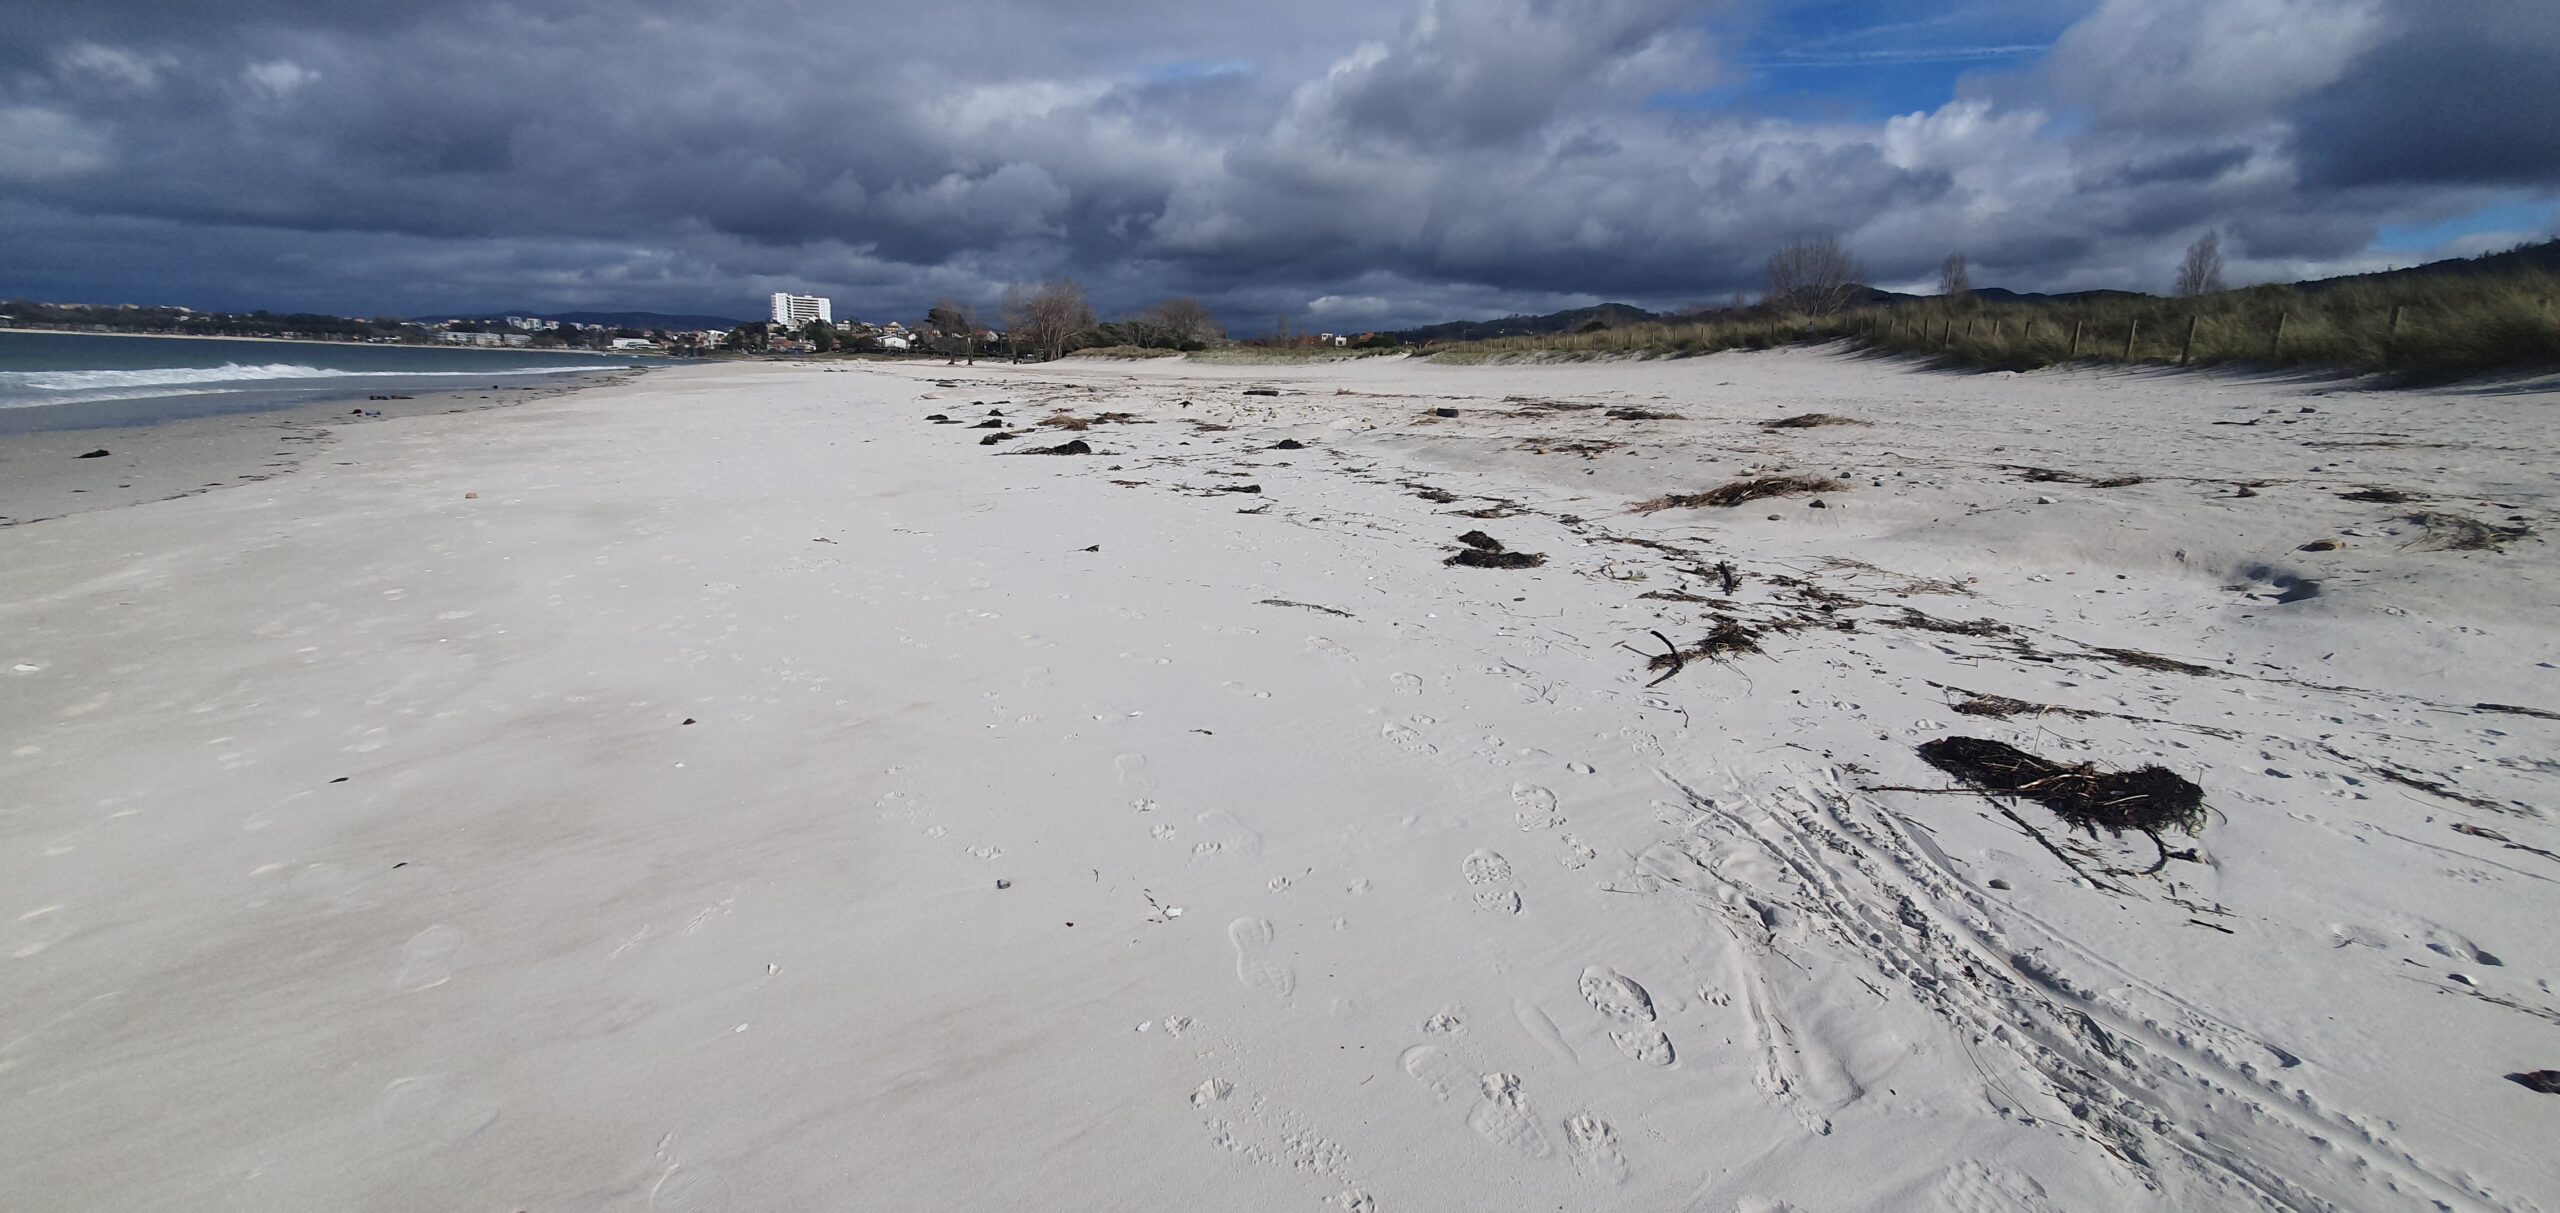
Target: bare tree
1816	277
1182	321
2201	272
1953	282
1047	316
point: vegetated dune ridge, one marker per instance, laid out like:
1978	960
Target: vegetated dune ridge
762	796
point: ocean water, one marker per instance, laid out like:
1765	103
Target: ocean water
74	380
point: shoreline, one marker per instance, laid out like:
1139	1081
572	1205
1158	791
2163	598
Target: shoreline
44	476
369	345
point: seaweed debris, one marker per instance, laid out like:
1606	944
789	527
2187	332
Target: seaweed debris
1486	552
2153	661
2056	476
2456	533
1283	602
1741	491
2148	799
1806	421
1728	638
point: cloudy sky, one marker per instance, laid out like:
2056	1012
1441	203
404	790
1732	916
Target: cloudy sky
1345	163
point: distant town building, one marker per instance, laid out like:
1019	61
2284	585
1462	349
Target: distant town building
532	324
634	343
792	311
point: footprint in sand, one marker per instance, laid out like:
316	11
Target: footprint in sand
1623	1000
1256	965
1438	1072
1490	876
1505	1119
427	961
1230	836
1534	807
1406	684
1970	1187
1594	1146
1133	773
1407	739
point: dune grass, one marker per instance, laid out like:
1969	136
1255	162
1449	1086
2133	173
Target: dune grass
1256	355
2428	328
1123	351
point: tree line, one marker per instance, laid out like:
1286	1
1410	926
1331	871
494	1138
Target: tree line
1043	320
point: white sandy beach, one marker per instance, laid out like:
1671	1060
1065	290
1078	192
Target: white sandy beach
730	790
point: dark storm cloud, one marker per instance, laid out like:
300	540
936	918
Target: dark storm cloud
1350	164
2461	93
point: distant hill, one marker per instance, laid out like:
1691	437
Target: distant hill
1620	315
619	320
2544	256
1608	315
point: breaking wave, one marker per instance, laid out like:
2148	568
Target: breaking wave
20	389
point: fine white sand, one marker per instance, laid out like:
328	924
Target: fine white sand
758	797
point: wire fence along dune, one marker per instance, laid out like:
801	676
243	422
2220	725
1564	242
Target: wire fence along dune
2420	328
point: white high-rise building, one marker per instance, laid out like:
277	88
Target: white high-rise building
792	311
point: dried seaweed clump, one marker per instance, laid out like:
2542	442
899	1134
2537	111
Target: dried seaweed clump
1073	446
1806	421
2381	496
2148	799
1486	552
2456	533
1999	707
1726	639
1636	414
1741	491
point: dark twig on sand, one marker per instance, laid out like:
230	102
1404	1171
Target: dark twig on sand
1677	662
1283	602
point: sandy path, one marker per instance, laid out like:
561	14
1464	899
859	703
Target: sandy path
1423	900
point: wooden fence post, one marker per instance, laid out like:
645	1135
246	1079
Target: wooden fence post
2187	348
1995	332
2075	339
2395	320
2132	328
2275	346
